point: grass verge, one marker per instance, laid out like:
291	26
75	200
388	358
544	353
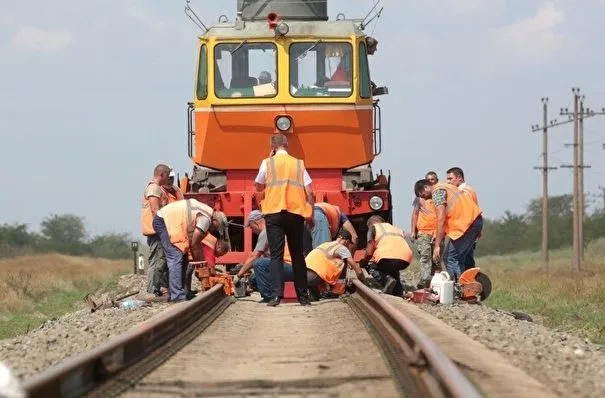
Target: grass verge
36	288
561	298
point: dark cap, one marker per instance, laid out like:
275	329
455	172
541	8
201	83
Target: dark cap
344	234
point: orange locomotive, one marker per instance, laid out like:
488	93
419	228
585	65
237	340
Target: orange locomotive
285	67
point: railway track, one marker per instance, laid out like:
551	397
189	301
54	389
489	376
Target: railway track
215	345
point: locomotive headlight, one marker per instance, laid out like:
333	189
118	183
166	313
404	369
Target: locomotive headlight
282	29
283	123
376	202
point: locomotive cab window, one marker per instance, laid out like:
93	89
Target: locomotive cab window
202	74
245	70
321	69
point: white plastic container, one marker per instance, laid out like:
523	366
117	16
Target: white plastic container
447	292
443	286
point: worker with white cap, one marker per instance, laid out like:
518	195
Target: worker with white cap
174	193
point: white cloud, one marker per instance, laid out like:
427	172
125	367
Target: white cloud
531	39
34	39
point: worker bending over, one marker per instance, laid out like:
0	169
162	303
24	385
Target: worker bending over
154	198
389	254
326	263
424	227
182	226
287	203
458	217
260	260
328	219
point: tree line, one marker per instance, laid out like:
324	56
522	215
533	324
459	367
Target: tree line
518	232
65	234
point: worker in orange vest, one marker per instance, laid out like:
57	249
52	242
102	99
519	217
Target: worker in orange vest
327	263
288	201
424	226
173	192
182	226
211	249
328	219
458	217
389	254
455	176
154	198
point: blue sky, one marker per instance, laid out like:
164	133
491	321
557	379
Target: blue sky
93	94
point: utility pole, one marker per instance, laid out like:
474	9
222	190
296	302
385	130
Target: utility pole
545	169
579	201
577	259
603	195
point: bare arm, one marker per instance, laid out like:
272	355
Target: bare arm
154	204
179	194
440	225
260	187
248	264
349	227
196	244
414	221
358	271
309	192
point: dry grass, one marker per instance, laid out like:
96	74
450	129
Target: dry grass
561	298
35	288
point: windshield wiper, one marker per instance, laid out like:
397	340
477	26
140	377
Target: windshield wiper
238	46
308	49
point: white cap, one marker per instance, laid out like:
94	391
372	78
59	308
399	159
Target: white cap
171	174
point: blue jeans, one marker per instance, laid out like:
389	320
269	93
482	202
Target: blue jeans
264	283
321	229
460	253
177	262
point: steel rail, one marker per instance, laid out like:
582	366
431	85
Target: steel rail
419	366
83	372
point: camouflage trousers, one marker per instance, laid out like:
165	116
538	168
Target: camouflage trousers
157	275
424	245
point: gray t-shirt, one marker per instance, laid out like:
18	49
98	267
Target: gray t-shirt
342	252
153	190
262	243
203	223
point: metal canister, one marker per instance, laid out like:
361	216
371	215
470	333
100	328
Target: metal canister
240	288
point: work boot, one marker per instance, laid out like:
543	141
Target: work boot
389	284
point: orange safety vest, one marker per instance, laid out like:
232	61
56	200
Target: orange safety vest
178	195
323	261
427	217
180	217
460	211
285	188
471	191
146	214
332	213
390	244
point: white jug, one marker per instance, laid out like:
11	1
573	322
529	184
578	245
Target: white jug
443	286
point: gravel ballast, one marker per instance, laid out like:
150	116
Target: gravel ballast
82	330
569	365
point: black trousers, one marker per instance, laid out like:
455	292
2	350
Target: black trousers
391	267
291	226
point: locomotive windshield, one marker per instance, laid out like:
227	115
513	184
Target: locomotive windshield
321	69
245	70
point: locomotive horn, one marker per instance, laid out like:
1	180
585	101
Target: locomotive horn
273	19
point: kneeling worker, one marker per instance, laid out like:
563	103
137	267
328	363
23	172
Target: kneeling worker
390	253
327	262
181	227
